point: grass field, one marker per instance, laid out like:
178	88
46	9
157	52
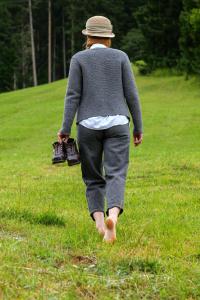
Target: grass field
49	248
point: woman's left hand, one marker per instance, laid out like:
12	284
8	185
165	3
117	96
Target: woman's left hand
137	138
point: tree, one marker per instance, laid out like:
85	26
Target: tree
7	53
159	23
49	42
159	32
190	38
64	44
32	45
133	44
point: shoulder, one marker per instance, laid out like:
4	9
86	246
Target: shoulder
112	51
123	55
120	52
80	54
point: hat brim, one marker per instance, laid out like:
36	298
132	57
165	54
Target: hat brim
86	32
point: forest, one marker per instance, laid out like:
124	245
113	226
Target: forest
38	37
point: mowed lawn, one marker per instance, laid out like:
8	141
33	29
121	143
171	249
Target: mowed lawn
49	248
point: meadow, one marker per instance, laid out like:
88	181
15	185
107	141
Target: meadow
49	248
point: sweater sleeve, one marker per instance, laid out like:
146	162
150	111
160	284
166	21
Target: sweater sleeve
131	94
72	96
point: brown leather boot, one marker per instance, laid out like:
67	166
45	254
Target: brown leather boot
71	151
59	155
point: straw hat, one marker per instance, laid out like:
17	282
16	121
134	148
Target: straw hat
98	26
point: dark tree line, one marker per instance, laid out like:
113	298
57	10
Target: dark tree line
38	37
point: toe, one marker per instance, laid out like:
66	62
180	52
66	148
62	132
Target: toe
110	240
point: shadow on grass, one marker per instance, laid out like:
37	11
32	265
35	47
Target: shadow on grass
140	265
47	218
194	257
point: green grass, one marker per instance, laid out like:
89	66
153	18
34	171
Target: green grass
49	248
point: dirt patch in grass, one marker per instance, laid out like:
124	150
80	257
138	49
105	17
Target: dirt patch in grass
85	260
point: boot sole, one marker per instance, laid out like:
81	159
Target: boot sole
72	163
58	161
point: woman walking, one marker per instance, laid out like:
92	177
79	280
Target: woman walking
102	91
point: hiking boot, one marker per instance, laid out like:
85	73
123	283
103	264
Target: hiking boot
59	155
71	152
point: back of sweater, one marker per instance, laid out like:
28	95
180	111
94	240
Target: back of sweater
101	83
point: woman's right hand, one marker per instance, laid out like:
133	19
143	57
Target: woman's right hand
62	137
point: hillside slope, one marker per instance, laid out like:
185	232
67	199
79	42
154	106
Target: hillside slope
49	246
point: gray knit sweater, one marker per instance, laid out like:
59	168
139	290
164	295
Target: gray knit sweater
101	83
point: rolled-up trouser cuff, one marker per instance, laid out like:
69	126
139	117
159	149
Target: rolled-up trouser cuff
120	212
91	213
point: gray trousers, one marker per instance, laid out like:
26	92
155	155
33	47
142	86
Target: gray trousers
104	158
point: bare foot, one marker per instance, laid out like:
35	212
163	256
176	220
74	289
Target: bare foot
99	219
110	233
101	229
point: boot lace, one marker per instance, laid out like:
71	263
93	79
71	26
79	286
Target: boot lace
58	148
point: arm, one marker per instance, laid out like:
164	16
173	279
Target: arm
72	97
131	95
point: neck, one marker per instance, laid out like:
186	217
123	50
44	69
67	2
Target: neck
104	41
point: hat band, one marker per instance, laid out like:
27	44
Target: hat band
98	29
